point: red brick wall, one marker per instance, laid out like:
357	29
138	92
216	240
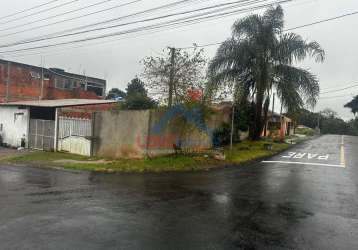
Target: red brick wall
86	112
25	87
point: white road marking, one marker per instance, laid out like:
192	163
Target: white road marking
343	157
305	163
309	156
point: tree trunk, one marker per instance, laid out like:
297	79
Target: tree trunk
266	109
258	121
260	95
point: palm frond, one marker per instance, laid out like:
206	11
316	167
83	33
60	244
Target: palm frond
247	27
274	18
299	82
292	47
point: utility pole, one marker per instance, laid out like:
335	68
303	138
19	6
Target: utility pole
232	126
7	98
282	120
42	79
171	77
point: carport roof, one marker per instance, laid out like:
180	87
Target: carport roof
58	103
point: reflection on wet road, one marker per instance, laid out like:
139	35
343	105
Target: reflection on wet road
258	206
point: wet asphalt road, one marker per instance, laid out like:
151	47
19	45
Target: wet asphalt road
312	204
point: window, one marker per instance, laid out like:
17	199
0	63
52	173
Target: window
58	83
35	75
68	84
61	83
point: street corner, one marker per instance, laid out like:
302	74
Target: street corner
326	155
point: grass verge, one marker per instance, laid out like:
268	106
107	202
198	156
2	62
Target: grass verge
241	153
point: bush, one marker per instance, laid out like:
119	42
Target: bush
221	135
305	131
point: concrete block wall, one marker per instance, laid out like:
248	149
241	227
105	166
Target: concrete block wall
136	134
118	134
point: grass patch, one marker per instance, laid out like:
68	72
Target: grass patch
251	150
242	152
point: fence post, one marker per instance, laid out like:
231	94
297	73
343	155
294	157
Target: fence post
148	133
56	130
93	122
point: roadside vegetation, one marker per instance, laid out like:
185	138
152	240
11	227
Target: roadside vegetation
328	121
242	153
258	62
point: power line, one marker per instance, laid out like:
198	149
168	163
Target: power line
149	27
26	10
57	15
93	24
333	97
39	12
238	4
129	23
338	90
323	21
294	28
92	44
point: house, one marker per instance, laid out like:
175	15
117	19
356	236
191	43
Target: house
23	82
36	123
278	125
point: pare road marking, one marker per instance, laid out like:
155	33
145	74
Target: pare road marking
305	163
309	156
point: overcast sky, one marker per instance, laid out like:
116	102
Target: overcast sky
117	59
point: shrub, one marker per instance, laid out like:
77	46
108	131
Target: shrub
305	131
221	135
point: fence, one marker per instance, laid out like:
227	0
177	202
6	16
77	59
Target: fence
74	135
136	134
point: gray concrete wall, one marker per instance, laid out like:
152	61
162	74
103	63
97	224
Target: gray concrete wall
136	134
120	134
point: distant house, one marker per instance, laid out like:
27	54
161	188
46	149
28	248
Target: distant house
23	82
278	125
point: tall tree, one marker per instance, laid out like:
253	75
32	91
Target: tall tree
353	105
137	97
260	58
179	69
115	94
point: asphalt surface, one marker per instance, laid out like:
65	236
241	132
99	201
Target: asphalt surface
302	199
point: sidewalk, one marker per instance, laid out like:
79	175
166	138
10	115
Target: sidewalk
9	152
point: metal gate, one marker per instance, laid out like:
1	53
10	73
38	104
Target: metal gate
42	134
74	135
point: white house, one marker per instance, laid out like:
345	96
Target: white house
13	124
36	122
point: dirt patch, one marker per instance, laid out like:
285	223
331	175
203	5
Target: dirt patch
68	161
9	152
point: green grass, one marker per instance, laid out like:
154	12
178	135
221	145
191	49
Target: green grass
250	150
305	131
242	152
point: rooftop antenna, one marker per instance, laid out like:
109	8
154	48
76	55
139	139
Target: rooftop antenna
85	78
42	78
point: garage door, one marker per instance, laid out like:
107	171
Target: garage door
42	134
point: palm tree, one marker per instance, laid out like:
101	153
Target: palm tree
259	58
353	105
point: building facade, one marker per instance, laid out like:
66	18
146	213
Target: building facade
35	123
23	82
